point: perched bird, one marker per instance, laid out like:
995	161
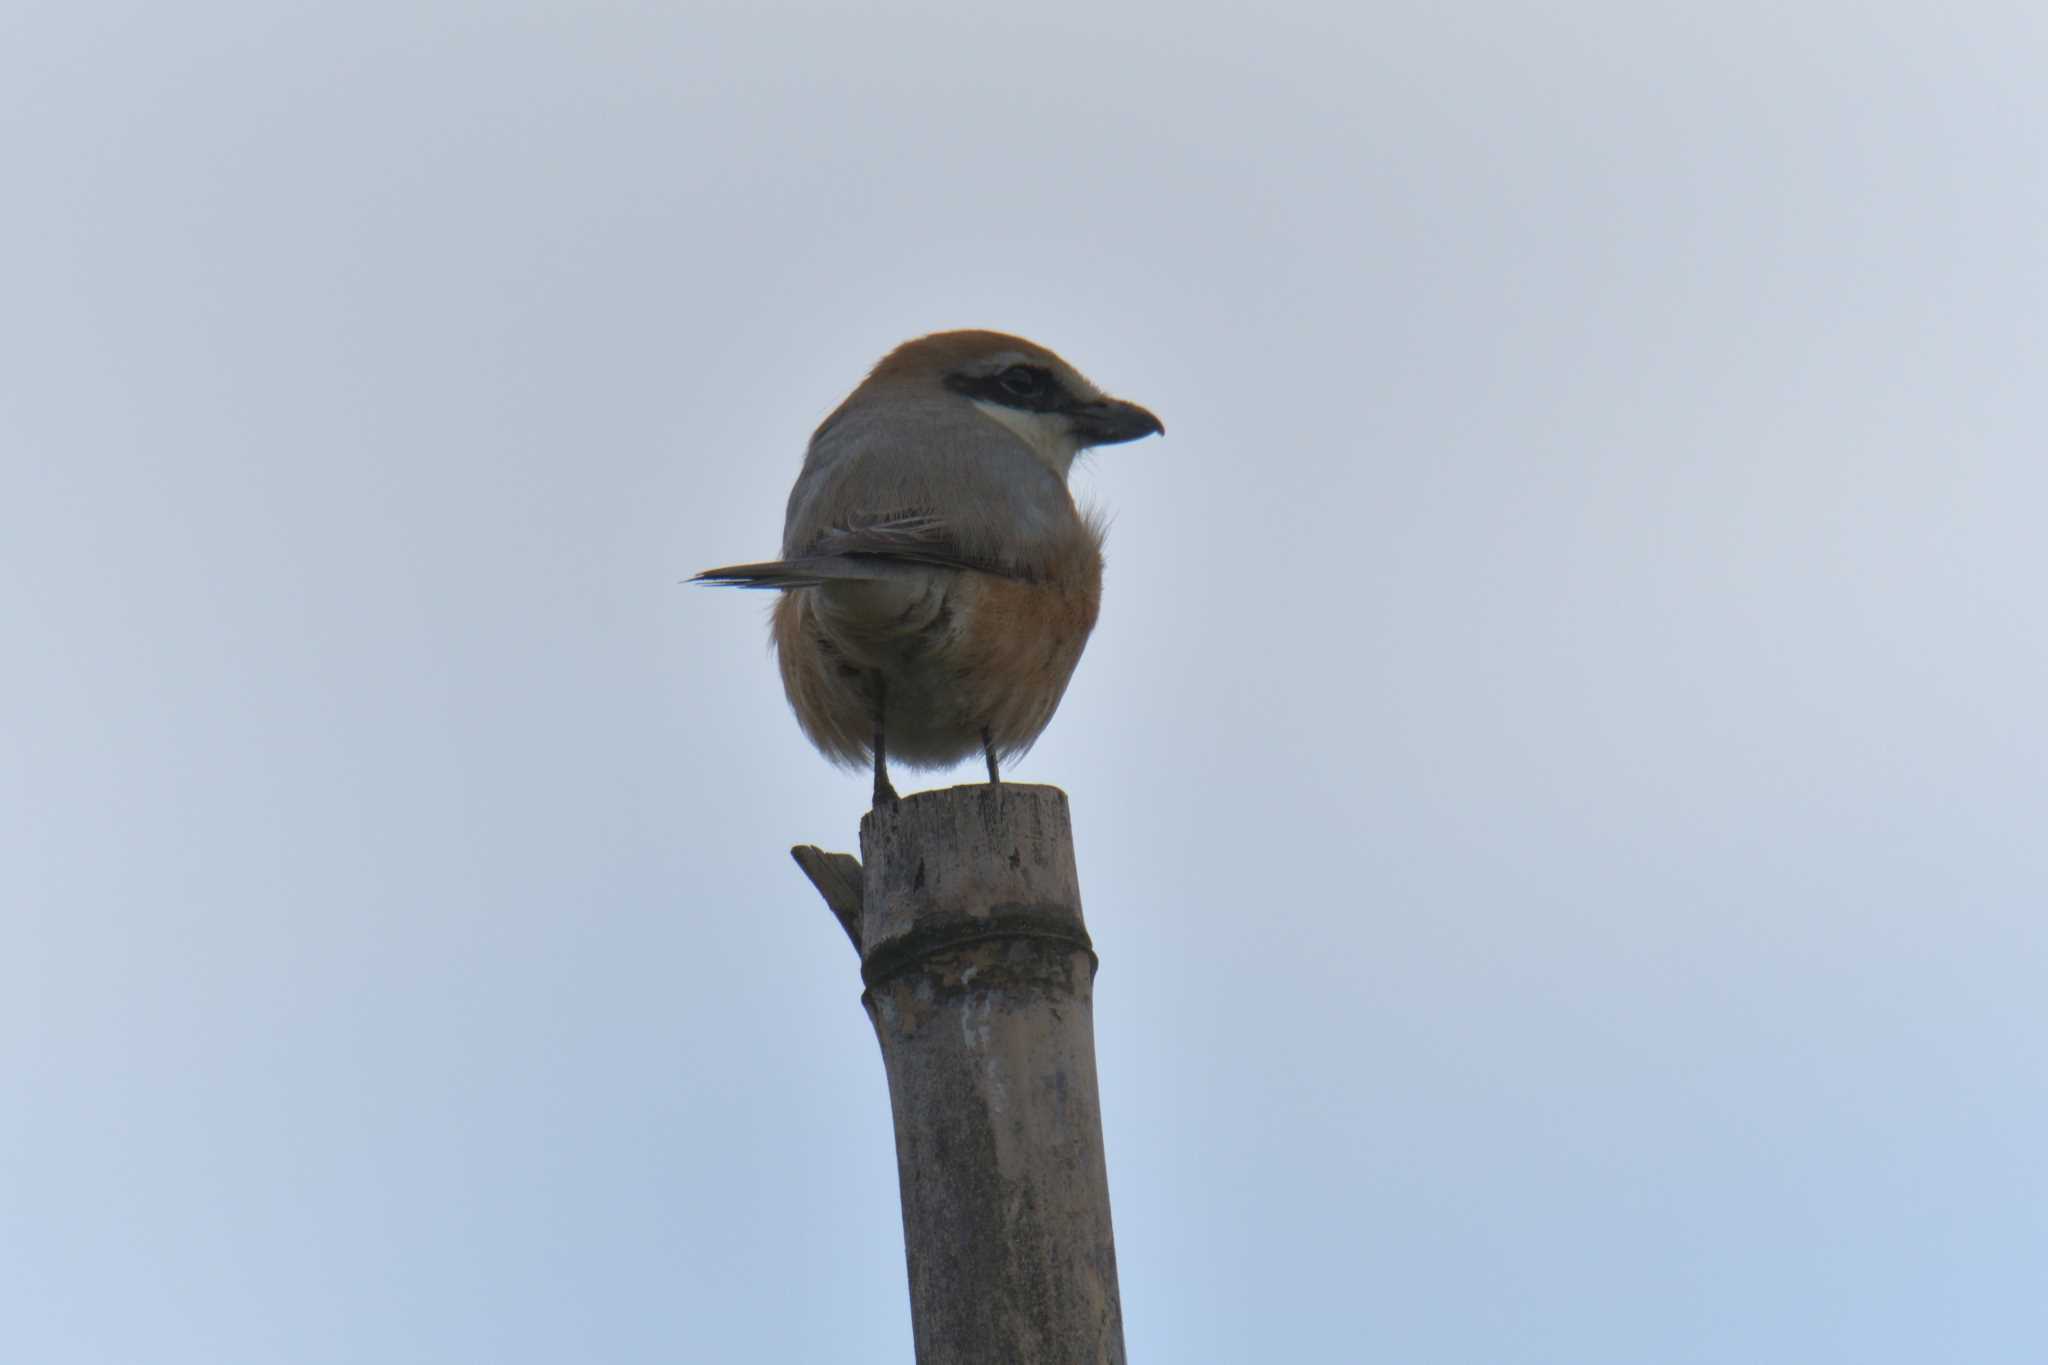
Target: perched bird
938	582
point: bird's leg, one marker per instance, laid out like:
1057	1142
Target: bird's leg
988	751
885	795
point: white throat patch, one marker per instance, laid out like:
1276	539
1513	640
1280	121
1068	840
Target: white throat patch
1047	433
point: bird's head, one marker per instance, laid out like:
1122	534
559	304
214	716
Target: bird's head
1043	400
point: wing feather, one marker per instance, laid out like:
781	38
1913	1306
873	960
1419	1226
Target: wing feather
864	548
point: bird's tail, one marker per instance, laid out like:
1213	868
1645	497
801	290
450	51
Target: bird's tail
807	572
777	573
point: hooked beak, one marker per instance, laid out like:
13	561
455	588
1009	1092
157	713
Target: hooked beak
1108	422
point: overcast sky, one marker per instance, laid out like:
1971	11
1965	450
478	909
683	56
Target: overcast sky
1560	782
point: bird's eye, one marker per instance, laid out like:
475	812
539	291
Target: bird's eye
1020	380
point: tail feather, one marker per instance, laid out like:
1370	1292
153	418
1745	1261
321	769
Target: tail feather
866	549
807	572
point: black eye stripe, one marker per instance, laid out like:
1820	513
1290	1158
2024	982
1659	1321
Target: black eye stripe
1031	388
1022	380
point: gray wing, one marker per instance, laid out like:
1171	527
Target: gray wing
869	549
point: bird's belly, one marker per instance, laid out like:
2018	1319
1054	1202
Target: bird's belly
955	653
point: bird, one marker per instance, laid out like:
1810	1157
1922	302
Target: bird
938	580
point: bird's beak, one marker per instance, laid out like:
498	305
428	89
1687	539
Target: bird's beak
1107	421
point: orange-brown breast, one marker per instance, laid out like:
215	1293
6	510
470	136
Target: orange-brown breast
1020	644
957	651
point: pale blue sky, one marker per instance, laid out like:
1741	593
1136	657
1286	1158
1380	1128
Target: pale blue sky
1559	782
